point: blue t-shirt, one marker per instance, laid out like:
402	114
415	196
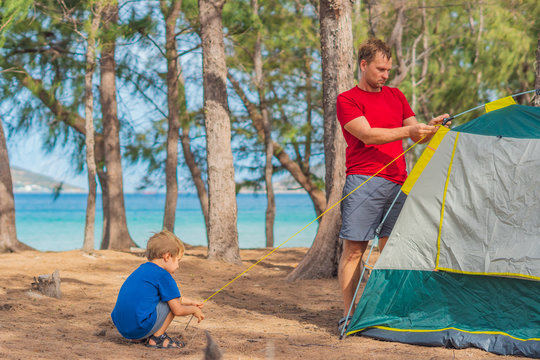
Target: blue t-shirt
135	311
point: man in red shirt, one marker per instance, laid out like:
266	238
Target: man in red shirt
374	119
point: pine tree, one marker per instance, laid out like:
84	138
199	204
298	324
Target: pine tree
222	230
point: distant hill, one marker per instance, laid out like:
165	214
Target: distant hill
285	183
26	181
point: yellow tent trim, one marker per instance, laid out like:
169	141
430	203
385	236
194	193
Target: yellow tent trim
444	201
499	104
424	159
443	329
531	277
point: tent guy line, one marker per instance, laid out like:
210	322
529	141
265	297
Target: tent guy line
317	218
302	229
343	198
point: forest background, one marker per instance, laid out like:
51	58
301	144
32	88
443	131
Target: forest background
213	88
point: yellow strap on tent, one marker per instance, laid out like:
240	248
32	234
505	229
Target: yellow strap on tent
444	202
499	104
488	332
424	159
505	274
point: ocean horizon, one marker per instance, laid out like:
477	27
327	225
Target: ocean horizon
49	224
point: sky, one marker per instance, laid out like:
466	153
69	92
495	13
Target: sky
26	152
26	149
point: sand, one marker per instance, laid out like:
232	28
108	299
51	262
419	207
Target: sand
259	316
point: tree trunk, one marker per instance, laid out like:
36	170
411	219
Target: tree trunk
317	196
338	75
268	172
8	231
171	15
396	42
222	231
88	244
47	97
189	157
48	285
537	80
268	147
116	235
374	15
196	174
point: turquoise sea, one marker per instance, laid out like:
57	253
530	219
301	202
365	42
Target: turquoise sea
47	224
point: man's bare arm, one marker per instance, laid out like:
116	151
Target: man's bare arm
361	129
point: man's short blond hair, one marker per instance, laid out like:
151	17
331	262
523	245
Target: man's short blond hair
162	243
369	48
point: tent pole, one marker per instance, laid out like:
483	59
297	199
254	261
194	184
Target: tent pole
479	106
357	287
375	240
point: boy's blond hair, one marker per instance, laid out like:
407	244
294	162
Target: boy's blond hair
162	243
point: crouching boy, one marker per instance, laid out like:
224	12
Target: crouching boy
149	299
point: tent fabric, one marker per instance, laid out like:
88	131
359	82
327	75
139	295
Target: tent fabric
450	338
517	121
497	206
433	300
438	308
424	159
422	210
462	265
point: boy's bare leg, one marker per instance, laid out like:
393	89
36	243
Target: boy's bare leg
349	270
162	330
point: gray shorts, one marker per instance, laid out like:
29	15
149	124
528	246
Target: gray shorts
363	210
162	310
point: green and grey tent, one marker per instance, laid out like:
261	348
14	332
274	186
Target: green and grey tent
462	265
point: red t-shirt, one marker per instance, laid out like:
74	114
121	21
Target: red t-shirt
385	109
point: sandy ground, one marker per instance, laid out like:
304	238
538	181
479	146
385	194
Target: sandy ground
259	316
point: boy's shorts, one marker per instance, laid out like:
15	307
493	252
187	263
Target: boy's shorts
162	310
363	210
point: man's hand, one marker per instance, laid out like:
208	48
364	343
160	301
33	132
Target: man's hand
422	133
419	131
439	120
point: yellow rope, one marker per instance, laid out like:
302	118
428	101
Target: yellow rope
317	218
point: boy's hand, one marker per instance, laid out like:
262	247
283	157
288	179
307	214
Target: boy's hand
189	302
198	314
